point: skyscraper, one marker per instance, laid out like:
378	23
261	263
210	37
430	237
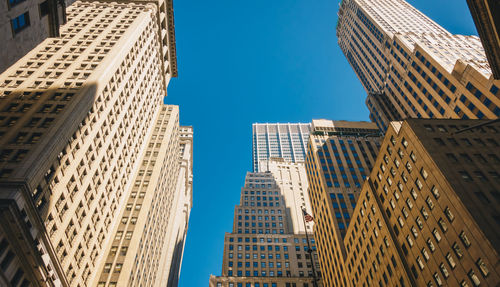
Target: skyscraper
413	68
264	248
287	141
76	114
183	202
339	158
429	213
152	226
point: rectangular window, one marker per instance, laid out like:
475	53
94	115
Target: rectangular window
20	22
13	3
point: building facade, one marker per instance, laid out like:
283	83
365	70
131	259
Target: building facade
27	23
263	250
428	214
411	67
183	203
287	141
156	211
486	15
76	114
339	158
292	179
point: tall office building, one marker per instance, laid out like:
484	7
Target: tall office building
413	68
287	141
339	158
26	24
152	227
76	113
429	213
266	247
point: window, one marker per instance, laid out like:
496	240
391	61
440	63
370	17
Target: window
13	3
425	254
445	272
436	234
439	282
20	22
482	267
465	176
420	263
464	238
435	191
457	250
44	8
413	157
423	173
450	260
118	267
442	224
431	245
429	203
107	267
473	277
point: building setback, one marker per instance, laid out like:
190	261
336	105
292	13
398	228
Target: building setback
429	213
264	250
339	157
287	141
292	179
411	67
76	115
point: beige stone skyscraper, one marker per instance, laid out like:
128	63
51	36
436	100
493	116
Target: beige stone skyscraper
413	68
268	246
76	116
153	225
292	179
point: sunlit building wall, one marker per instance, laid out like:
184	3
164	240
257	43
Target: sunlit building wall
263	249
147	244
75	117
428	214
292	179
411	67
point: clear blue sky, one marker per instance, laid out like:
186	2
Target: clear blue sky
242	62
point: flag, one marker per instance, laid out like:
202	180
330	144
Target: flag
307	216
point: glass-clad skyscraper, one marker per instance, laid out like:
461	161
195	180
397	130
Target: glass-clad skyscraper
281	140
